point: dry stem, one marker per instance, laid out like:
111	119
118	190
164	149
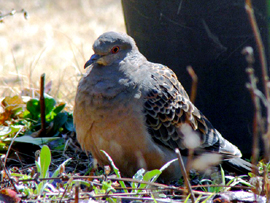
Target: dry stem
194	83
262	58
184	173
42	106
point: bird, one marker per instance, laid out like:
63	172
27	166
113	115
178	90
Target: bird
137	111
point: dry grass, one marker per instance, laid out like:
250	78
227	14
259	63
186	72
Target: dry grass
56	40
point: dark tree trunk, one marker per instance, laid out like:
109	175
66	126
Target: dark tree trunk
209	36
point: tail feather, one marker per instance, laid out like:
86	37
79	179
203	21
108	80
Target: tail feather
240	165
227	148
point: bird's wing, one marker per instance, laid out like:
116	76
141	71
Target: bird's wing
167	107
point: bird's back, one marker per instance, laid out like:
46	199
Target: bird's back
168	109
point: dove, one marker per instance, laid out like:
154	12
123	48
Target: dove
139	113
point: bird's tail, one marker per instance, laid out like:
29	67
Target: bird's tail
232	156
228	149
240	165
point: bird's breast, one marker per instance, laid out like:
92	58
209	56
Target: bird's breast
110	117
114	127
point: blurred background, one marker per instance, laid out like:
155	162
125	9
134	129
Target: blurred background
56	39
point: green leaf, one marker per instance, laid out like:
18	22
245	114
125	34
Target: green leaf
69	124
138	176
38	166
116	170
40	187
33	107
59	108
59	120
56	172
187	198
49	104
36	141
26	114
107	186
236	180
3	147
44	161
155	177
22	176
251	175
206	200
16	128
150	176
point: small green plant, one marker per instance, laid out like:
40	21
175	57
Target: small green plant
23	114
116	170
150	176
56	120
219	178
106	188
140	175
42	165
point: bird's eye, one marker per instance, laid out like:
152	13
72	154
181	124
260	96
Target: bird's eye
115	49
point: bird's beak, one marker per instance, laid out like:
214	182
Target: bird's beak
92	60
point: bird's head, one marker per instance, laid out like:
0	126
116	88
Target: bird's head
111	47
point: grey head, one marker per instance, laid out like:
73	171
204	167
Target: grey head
111	47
